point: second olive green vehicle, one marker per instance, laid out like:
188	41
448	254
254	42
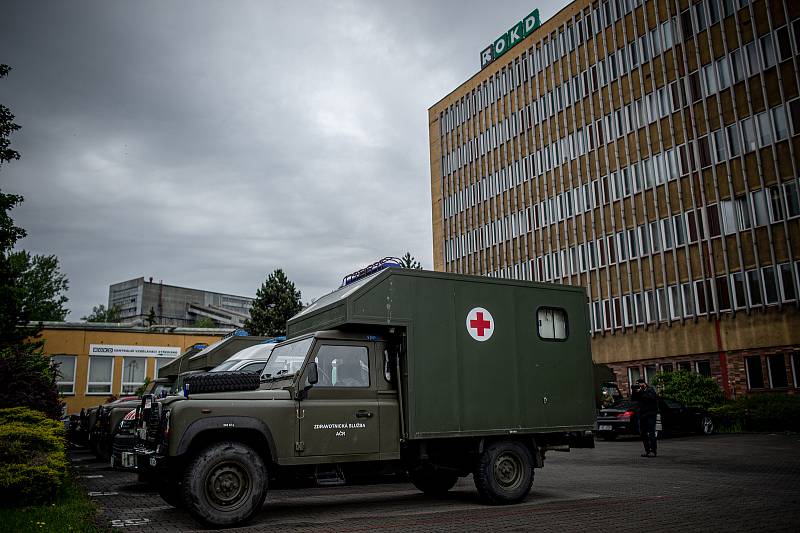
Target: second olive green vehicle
437	376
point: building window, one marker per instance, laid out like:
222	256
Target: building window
777	371
552	323
703	368
634	373
133	373
788	292
739	293
770	285
796	368
649	372
666	367
754	281
686	366
755	376
101	372
65	376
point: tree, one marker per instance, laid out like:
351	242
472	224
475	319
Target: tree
689	388
204	322
408	261
42	284
151	317
27	375
12	315
101	314
276	302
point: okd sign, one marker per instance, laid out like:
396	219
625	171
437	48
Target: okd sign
510	38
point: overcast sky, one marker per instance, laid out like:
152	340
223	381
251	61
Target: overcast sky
206	143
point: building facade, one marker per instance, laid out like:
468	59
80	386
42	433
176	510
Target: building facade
98	361
650	152
178	306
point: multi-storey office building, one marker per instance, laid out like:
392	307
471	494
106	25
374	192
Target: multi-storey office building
649	151
178	306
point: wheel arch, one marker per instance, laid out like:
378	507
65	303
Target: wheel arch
245	429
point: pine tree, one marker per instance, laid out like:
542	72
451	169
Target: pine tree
408	261
276	302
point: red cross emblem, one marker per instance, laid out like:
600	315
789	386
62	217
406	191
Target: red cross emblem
480	324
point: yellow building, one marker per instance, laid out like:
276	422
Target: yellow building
102	360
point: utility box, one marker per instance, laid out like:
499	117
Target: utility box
482	356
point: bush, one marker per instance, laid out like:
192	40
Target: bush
760	412
689	388
33	461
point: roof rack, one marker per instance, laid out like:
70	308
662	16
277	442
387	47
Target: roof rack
386	262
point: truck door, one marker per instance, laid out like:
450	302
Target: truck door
340	414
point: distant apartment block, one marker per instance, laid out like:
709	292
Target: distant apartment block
178	306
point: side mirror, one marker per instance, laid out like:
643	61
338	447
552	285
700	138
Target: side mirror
313	375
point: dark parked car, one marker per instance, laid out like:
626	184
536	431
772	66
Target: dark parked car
674	418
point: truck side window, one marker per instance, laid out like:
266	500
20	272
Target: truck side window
342	366
552	323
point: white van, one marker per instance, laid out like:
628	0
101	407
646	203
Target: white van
251	359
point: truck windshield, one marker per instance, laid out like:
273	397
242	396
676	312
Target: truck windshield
287	359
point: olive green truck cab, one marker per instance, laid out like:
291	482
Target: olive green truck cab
433	375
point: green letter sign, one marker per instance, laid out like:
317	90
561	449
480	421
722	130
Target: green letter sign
516	34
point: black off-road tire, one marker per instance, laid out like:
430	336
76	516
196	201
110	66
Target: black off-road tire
504	472
222	382
433	482
171	492
225	484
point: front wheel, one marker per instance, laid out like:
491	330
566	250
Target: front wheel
225	484
504	472
433	482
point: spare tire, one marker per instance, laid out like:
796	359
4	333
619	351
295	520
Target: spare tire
222	382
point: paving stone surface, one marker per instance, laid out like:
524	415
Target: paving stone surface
716	483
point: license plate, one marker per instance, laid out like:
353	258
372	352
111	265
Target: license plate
129	460
604	428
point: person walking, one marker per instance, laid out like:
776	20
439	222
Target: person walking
647	402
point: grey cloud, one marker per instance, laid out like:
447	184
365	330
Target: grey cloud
208	143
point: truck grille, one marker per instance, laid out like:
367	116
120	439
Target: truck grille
153	422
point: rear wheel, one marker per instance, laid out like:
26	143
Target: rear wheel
433	482
225	484
504	472
706	425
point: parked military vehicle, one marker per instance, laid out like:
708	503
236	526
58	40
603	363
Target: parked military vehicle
121	420
435	375
109	415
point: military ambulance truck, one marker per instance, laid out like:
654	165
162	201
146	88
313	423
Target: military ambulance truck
436	375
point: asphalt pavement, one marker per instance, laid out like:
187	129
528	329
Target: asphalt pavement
719	483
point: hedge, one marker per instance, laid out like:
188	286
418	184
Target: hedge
33	462
760	412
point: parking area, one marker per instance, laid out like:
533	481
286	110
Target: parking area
721	482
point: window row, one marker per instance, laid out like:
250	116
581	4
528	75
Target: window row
753	209
101	373
775	365
710	79
753	288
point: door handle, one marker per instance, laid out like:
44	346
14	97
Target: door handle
362	413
